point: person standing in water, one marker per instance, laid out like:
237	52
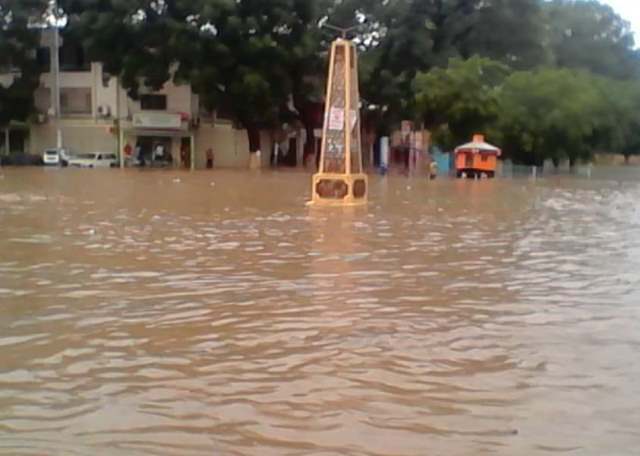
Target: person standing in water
433	169
209	158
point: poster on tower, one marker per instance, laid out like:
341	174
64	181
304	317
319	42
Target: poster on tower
336	119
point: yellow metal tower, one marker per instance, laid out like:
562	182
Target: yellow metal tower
340	179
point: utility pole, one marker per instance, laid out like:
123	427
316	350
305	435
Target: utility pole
7	141
118	123
55	60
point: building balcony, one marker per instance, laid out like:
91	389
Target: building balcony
70	79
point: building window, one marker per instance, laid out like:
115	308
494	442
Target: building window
153	102
76	101
485	157
72	58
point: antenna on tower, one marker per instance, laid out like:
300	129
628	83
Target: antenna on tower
344	31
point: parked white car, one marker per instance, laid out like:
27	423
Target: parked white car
56	157
94	160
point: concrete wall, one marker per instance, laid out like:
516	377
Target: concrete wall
230	146
106	95
178	99
229	149
76	137
77	101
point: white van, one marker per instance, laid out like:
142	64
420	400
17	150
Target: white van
56	157
94	160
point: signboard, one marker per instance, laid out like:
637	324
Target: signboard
157	120
336	119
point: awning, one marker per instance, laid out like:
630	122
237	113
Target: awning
164	124
158	132
478	145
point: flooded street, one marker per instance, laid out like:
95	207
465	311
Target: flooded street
161	313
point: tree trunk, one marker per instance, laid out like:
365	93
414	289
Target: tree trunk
253	133
369	135
310	143
307	116
255	154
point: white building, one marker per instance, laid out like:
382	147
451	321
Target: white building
97	115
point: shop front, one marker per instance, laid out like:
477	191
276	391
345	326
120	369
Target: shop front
157	140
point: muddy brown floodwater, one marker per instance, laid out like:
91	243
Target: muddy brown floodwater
162	313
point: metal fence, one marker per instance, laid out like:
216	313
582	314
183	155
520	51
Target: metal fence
509	170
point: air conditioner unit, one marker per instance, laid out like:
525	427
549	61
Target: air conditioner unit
104	111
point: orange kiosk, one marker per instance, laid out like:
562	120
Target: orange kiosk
477	159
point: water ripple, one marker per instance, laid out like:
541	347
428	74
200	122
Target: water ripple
140	317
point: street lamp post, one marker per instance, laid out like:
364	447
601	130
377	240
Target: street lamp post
56	74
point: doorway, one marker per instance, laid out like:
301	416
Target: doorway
185	153
153	151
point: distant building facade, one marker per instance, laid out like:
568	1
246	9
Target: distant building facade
96	115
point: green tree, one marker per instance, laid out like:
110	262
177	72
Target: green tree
306	64
629	128
241	63
418	35
137	40
619	125
462	97
550	114
304	43
19	39
230	51
591	36
509	31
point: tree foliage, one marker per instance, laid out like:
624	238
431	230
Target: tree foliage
243	61
137	40
550	113
423	34
463	97
19	39
590	36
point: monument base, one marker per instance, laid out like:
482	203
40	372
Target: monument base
339	189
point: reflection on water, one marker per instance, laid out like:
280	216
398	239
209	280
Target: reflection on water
151	313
